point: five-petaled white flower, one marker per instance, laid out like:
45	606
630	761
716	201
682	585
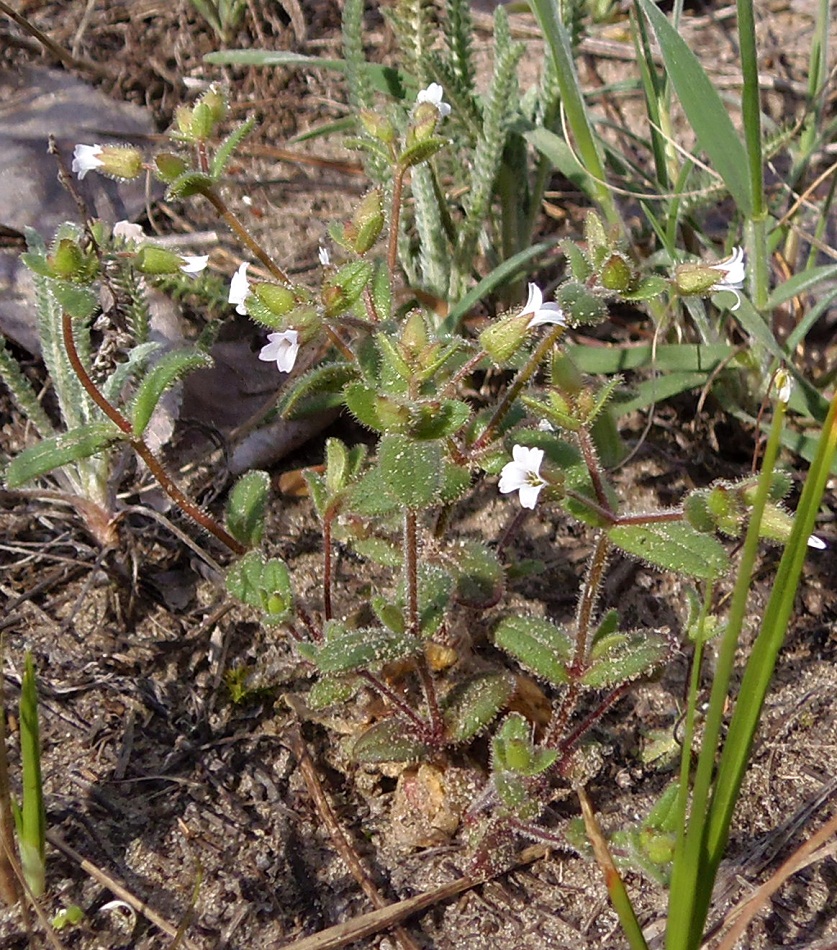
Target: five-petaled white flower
194	263
281	348
733	269
86	158
240	289
523	475
542	312
324	256
433	94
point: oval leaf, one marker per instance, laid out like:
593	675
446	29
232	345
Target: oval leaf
388	741
470	706
538	645
367	648
622	657
673	545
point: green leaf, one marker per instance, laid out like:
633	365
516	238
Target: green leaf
389	741
379	550
480	578
80	443
225	151
188	184
163	375
346	651
79	302
621	657
263	584
439	419
411	470
324	383
674	546
421	151
471	705
704	108
246	507
331	690
801	284
538	645
385	79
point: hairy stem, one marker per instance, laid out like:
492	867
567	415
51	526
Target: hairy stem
155	466
244	235
523	377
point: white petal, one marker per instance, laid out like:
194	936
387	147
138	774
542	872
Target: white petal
325	258
194	264
816	543
548	313
734	267
528	458
86	159
282	349
239	289
512	478
529	495
533	301
433	94
128	231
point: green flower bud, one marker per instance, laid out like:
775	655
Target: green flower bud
378	126
617	274
504	337
68	261
151	259
367	223
697	513
695	280
276	297
120	161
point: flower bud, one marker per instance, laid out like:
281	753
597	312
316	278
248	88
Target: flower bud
378	126
617	274
695	280
279	299
121	161
68	260
504	337
367	223
154	260
565	374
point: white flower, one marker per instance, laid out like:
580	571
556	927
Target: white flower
324	256
86	159
240	289
194	264
433	94
542	312
128	231
816	543
784	386
732	269
544	425
523	475
281	348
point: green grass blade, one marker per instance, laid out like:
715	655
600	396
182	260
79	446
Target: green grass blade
558	41
33	814
704	109
383	78
508	270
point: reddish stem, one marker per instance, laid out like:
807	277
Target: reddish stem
155	466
